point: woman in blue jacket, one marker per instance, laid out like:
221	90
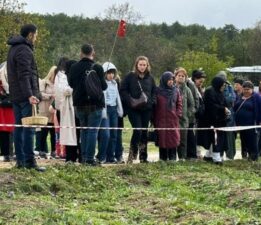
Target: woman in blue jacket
248	113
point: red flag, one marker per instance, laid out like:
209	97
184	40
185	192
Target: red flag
122	29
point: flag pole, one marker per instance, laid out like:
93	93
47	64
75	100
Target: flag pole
114	43
115	39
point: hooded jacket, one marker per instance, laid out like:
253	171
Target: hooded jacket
215	103
22	70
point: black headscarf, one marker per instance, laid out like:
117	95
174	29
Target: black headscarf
217	83
166	91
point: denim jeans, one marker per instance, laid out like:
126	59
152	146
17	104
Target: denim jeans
23	137
119	146
89	136
103	140
108	138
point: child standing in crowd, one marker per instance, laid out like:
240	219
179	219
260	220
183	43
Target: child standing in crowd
6	115
167	112
47	91
113	109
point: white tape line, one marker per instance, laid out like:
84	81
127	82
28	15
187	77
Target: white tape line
236	128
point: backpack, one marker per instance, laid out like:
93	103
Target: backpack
93	85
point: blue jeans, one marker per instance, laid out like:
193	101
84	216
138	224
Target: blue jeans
119	146
89	136
103	141
23	137
108	138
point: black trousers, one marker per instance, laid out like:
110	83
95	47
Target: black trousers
139	119
74	152
4	143
218	142
249	138
44	134
191	143
168	154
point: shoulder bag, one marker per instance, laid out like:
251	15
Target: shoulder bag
137	103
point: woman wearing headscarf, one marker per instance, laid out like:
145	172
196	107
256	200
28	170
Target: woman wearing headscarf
167	112
216	113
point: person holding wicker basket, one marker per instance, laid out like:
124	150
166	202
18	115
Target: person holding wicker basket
24	92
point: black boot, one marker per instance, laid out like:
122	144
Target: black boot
32	164
7	158
19	164
133	152
143	154
130	156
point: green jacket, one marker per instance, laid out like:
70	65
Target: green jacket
188	105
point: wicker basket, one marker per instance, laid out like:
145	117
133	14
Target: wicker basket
34	119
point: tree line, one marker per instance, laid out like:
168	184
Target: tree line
167	46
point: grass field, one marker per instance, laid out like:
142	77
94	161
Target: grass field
155	193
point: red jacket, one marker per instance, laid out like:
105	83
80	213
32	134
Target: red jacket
6	117
166	118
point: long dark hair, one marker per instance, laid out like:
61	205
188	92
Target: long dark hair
61	64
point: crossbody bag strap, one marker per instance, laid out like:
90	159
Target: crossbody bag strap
140	86
241	105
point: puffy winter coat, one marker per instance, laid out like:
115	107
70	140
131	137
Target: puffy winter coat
22	70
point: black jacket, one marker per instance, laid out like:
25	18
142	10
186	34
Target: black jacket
215	104
130	87
22	70
76	81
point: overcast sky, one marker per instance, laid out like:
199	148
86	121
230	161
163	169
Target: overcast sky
210	13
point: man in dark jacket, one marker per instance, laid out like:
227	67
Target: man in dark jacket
88	110
24	91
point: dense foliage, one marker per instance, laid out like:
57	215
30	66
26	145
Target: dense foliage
167	46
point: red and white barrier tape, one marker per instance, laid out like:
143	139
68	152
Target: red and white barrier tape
235	128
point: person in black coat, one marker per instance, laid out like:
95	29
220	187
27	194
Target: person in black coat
216	113
88	111
131	86
24	91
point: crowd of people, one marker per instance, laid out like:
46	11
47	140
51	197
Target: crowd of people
175	108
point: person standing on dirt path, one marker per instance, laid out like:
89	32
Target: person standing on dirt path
24	92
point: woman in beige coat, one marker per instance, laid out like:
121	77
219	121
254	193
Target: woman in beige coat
47	91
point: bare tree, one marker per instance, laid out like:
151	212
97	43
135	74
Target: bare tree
123	11
11	6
